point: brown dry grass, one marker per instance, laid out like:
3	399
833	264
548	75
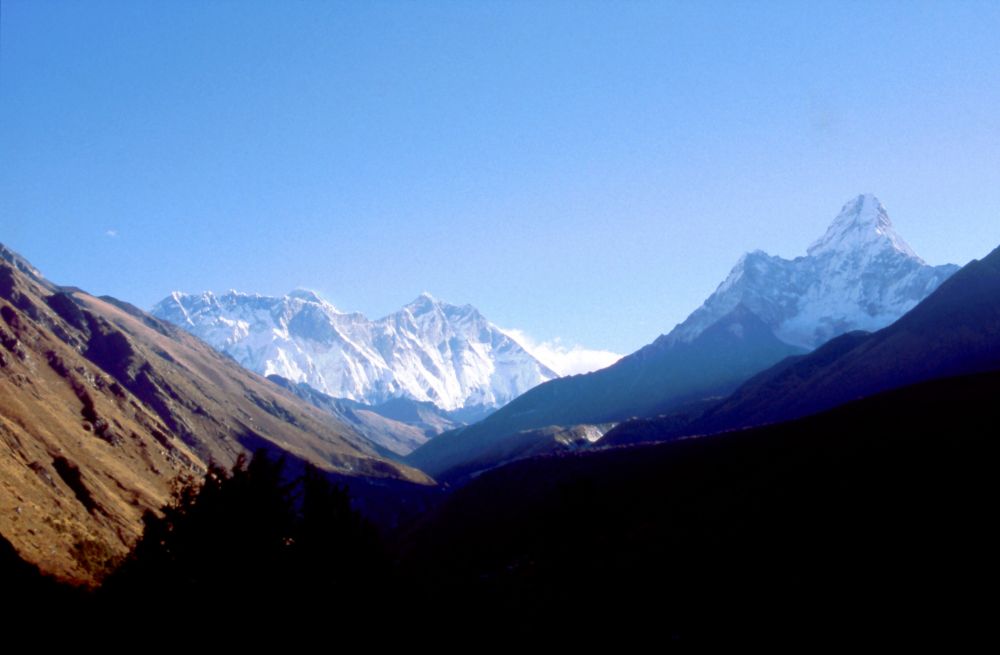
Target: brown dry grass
163	408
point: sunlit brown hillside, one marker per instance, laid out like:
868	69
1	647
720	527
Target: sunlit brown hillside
103	407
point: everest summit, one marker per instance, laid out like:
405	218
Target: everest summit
429	351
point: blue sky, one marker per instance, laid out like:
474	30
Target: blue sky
587	172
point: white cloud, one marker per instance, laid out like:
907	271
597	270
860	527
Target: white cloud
111	233
564	360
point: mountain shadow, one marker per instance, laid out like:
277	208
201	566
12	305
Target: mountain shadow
954	331
869	519
660	377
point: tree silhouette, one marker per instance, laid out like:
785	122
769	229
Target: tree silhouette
247	537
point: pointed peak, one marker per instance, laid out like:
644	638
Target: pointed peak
423	302
177	298
313	298
862	223
865	211
307	295
752	256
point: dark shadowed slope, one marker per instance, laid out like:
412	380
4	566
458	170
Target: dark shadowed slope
391	438
955	330
396	427
874	516
655	379
860	274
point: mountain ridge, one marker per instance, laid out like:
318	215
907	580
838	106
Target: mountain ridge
954	331
655	379
429	350
859	274
104	407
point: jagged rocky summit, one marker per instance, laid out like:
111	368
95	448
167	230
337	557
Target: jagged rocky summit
429	351
860	275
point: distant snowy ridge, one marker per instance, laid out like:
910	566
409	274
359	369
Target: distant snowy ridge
562	358
860	275
428	351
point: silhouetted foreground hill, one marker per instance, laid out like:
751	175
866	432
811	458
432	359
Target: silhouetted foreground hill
873	517
248	537
23	586
255	540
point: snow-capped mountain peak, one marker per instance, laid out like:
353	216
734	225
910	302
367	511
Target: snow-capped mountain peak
308	295
425	303
427	351
860	275
863	223
425	297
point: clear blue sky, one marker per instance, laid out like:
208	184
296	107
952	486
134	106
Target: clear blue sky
575	170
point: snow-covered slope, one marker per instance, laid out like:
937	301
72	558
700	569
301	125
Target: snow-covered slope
428	351
860	275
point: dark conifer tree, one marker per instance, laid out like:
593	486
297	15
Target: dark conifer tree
248	538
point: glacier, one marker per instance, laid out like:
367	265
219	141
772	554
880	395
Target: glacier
429	351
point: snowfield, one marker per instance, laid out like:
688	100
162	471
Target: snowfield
428	351
860	275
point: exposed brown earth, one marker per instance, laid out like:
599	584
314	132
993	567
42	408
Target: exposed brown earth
103	408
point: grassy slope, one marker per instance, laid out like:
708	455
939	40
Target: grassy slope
102	407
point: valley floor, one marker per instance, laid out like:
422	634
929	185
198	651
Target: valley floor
871	519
